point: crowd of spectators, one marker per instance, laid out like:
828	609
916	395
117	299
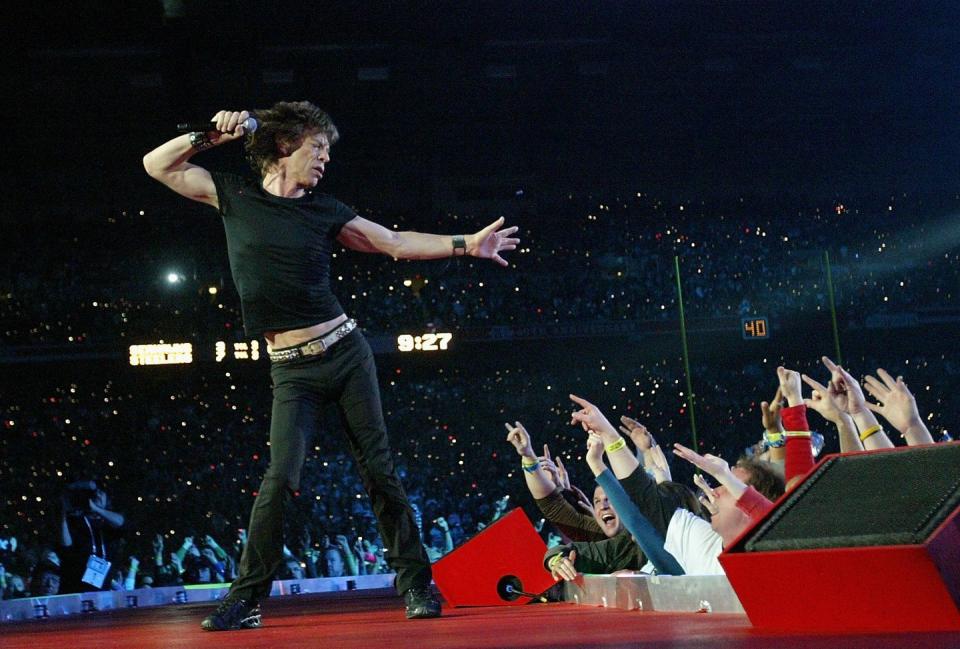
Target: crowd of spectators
164	463
181	452
584	258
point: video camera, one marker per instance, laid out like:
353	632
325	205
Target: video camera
79	494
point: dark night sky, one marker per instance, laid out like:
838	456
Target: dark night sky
687	98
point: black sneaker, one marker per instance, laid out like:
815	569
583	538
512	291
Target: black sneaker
233	613
421	603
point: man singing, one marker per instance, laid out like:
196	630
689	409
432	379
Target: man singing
280	235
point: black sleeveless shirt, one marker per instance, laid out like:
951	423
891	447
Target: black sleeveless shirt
279	251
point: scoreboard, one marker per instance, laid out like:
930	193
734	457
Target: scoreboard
754	328
183	353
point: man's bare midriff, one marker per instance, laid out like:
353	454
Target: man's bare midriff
281	339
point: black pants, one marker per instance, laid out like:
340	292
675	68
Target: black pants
344	375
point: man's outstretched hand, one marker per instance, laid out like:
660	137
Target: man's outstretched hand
489	242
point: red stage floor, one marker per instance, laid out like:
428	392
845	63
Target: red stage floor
345	621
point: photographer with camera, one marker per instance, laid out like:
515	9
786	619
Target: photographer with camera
87	527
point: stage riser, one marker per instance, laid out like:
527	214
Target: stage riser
30	608
687	594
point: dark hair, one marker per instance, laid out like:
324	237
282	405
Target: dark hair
678	496
282	128
764	477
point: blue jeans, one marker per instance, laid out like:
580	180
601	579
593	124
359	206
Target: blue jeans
346	376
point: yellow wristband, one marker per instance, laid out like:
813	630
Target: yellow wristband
797	433
616	446
555	559
868	432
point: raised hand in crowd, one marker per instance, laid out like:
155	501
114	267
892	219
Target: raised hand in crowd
562	475
823	400
555	469
771	447
539	482
213	545
518	436
500	507
184	549
708	497
848	397
582	501
656	462
770	413
714	465
352	565
177	562
648	451
356	549
898	406
311	557
790	386
158	549
130	578
594	455
622	462
591	418
637	433
444	528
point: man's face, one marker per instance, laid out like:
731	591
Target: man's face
306	164
606	518
334	562
728	521
295	569
49	584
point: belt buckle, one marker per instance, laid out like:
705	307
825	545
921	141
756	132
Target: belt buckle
314	347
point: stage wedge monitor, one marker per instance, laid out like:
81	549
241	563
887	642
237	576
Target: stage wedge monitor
868	541
509	551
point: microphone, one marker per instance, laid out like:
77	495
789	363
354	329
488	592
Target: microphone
509	590
250	125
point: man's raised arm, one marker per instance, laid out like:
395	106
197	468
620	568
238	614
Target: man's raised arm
169	162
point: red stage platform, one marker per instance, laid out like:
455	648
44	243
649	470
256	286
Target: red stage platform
373	620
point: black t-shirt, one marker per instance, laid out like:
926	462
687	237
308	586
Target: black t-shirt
279	252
